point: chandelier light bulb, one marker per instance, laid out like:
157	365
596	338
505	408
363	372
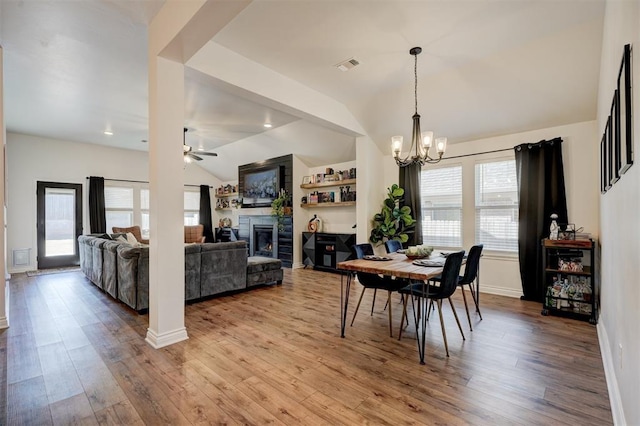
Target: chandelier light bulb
427	139
396	145
441	145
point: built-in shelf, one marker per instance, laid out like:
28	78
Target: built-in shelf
325	184
314	205
230	194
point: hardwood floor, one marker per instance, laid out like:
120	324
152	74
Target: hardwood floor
273	355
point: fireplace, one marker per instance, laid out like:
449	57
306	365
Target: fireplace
264	240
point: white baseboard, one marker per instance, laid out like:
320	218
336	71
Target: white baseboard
158	341
617	411
298	265
4	321
500	291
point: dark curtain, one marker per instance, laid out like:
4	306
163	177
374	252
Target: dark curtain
540	175
410	181
97	215
205	213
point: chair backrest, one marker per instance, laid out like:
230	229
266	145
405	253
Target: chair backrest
450	274
135	230
473	262
392	246
362	250
194	234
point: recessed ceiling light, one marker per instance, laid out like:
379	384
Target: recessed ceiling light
108	132
268	125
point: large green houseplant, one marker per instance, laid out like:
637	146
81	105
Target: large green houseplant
393	222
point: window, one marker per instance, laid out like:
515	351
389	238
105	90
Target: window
441	193
191	207
118	202
144	213
497	205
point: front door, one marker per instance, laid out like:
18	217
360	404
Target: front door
59	224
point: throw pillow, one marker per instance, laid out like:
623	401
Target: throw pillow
132	240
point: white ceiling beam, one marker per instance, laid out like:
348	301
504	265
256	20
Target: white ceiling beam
185	26
260	84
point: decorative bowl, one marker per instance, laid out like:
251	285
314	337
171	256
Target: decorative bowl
418	252
416	256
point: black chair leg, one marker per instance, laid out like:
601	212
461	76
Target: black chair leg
475	299
390	320
444	333
466	307
375	290
358	305
402	319
453	308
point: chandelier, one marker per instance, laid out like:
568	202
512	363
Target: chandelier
421	142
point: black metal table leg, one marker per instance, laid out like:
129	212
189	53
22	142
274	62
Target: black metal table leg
344	301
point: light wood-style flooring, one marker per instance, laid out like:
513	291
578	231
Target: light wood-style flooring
273	355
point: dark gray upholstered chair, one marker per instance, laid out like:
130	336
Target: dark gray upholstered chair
392	246
470	275
448	285
374	281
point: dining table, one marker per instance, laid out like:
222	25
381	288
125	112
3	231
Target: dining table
395	265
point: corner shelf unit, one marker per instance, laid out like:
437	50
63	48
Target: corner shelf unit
569	279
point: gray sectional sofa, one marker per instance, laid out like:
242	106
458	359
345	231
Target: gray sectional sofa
122	271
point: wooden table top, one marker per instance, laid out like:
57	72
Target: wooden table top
399	266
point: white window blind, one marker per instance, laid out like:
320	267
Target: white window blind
191	207
497	205
441	193
118	203
144	212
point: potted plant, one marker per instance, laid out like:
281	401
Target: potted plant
281	207
393	222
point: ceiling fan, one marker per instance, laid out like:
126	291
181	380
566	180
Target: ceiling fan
188	154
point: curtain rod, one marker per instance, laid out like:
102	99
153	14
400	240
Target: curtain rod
478	153
142	181
518	147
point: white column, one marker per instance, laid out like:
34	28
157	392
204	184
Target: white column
4	288
166	185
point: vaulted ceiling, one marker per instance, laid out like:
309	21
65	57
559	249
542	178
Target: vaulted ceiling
74	69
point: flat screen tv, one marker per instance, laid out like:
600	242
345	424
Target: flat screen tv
260	187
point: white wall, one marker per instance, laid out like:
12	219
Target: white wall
619	324
31	159
500	272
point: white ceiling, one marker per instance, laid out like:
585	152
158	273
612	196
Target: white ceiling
74	69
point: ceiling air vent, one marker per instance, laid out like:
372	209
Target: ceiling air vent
348	64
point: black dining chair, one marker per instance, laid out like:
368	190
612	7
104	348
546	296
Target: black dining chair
392	246
448	285
468	279
374	281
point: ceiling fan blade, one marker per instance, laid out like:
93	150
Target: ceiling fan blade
212	154
195	157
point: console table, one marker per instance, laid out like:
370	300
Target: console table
324	250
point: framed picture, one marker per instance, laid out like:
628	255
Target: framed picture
306	180
607	155
624	111
614	129
603	162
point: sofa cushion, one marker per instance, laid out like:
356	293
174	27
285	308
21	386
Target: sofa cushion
259	263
